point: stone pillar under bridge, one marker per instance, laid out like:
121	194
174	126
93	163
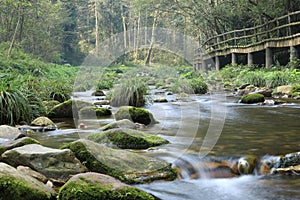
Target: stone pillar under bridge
233	58
293	53
269	57
217	63
250	59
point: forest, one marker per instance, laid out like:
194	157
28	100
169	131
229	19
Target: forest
149	99
67	31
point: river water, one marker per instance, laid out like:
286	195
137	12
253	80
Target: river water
213	125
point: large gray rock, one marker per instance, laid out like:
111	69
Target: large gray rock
16	143
124	165
10	133
65	109
53	163
285	89
15	184
28	171
123	123
127	139
104	187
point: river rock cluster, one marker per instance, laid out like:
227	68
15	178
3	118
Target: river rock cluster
265	96
98	167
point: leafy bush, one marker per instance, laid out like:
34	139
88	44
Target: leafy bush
198	85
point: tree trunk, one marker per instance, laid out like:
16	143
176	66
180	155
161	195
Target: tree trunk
147	62
96	29
14	36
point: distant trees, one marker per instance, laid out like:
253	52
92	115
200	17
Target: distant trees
65	31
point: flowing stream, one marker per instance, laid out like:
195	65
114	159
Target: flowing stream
218	126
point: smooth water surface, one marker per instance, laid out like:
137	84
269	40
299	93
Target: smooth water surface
237	129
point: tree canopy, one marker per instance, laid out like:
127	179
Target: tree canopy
63	31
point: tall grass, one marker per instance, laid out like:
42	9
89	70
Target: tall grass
14	106
130	92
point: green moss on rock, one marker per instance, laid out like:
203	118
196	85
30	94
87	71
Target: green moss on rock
127	139
139	115
92	111
65	109
17	185
93	186
252	98
126	166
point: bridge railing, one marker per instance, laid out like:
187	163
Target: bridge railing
282	27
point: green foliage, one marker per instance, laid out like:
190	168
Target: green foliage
198	85
131	91
14	106
278	78
294	63
238	75
256	78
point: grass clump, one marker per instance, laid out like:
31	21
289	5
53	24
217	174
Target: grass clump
130	92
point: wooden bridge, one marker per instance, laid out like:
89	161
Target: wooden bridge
275	41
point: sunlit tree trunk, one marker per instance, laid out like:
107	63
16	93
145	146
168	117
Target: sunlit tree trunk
96	28
147	62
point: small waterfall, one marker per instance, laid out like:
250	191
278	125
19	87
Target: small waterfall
194	167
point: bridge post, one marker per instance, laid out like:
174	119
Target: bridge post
293	53
217	63
233	58
250	58
269	57
204	66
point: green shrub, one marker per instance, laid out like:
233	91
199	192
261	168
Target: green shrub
198	85
256	78
130	92
277	78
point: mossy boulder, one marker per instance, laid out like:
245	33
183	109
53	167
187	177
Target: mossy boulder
53	163
15	184
94	111
253	98
126	166
16	143
127	139
42	121
123	123
94	186
65	109
139	115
